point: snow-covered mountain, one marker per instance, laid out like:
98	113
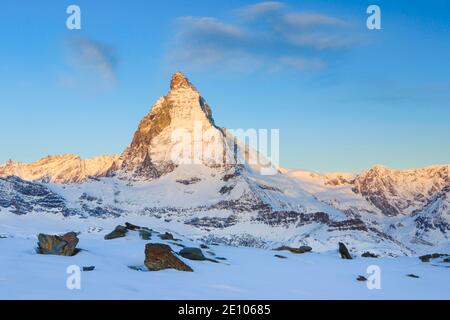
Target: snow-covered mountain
60	169
183	169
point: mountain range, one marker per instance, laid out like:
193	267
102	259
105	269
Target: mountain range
182	168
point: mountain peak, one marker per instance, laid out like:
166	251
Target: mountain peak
179	80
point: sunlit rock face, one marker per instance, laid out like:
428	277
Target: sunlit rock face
179	130
60	169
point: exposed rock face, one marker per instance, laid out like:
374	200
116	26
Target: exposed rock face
23	197
368	254
118	232
300	250
58	245
428	257
343	251
159	257
435	215
60	169
131	226
173	133
397	192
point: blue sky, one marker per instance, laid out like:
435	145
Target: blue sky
344	97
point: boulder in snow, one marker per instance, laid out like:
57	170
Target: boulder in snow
192	254
361	278
159	257
300	250
58	245
368	254
118	232
345	254
131	227
428	257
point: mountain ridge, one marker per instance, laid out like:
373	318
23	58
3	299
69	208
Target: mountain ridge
182	168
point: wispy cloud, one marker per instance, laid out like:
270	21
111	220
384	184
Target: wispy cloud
260	9
90	62
267	35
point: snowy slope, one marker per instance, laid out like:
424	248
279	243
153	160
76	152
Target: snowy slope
247	273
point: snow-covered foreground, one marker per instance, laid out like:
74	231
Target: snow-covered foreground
247	273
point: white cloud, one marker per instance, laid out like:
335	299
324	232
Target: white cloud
275	38
199	26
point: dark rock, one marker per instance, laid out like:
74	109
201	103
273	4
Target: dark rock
166	236
58	245
118	232
159	257
131	227
361	278
204	246
428	257
90	268
446	260
300	250
145	234
368	254
345	254
192	254
226	189
189	181
413	276
280	256
221	258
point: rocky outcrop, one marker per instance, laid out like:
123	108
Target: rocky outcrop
22	197
131	226
399	192
368	254
343	251
118	232
429	257
58	245
159	257
300	250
